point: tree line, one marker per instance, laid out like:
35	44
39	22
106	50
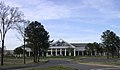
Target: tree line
109	46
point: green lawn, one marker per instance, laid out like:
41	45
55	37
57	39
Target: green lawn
12	61
16	62
98	60
53	68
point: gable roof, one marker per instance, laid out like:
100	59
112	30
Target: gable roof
61	42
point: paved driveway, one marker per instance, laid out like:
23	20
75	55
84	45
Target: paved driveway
80	66
68	64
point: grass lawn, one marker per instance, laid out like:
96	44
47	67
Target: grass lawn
16	62
98	60
13	62
53	68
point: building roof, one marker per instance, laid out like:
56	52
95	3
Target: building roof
79	44
61	43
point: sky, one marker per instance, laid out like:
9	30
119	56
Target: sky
75	21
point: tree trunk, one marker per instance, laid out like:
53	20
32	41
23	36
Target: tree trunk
39	51
102	53
38	55
24	52
2	52
113	55
34	55
118	53
107	55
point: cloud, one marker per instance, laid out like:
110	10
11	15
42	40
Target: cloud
107	7
41	9
85	10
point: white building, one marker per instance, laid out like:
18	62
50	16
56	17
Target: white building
63	48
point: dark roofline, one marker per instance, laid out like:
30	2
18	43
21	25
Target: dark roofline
79	43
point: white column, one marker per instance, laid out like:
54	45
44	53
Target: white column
82	53
78	53
51	52
29	53
91	54
95	53
69	53
104	54
46	53
74	53
65	51
56	52
60	51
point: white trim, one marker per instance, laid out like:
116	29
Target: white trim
70	45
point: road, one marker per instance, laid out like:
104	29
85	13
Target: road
79	66
68	64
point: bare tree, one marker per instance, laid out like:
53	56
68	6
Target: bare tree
9	17
21	30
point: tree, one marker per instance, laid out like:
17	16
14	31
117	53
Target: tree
94	48
101	49
109	41
9	16
21	30
19	50
117	44
37	38
98	49
90	48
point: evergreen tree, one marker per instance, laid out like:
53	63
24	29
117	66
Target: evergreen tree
90	49
109	39
37	38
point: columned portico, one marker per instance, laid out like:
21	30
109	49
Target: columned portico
63	48
61	52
